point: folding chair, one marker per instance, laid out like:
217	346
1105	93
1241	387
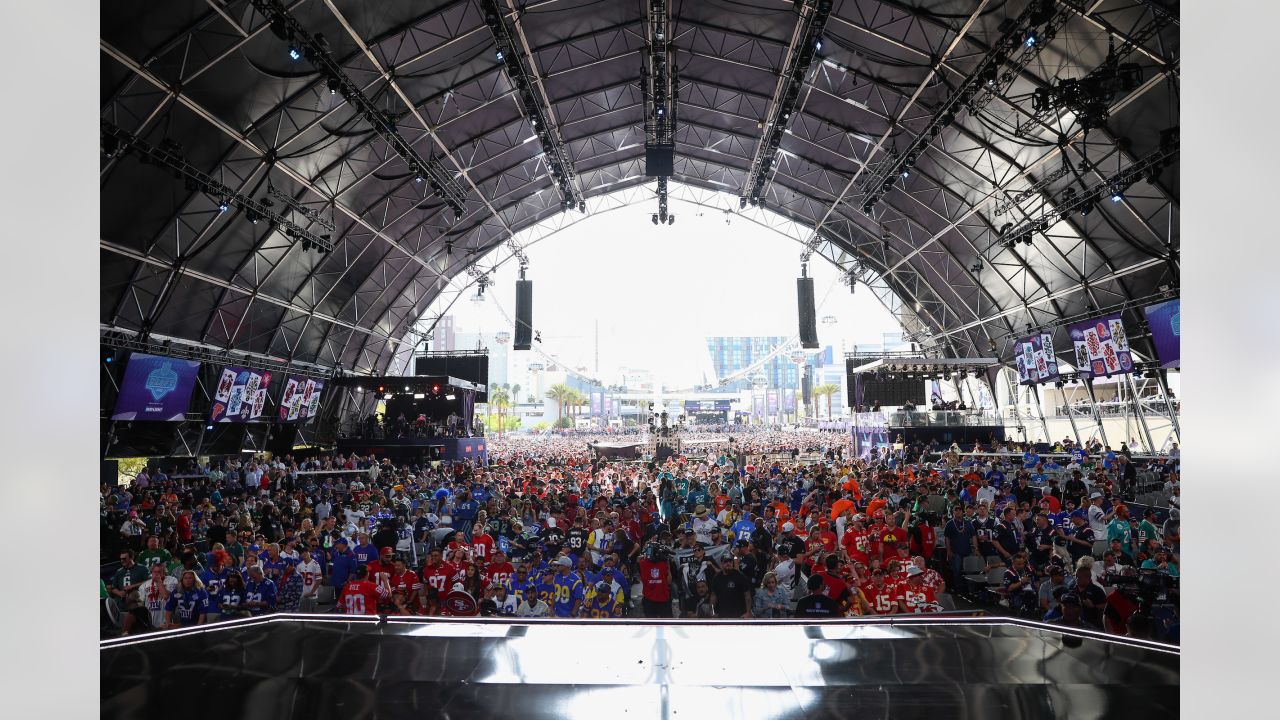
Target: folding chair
973	571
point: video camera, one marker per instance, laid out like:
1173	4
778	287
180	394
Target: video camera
657	552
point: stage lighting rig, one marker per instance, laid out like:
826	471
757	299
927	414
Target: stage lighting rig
316	50
1021	40
1111	188
806	42
660	97
1089	98
307	212
196	180
511	52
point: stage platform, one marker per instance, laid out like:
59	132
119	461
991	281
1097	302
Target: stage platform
412	449
297	666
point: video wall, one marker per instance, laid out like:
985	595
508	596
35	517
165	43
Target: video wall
300	401
1165	321
241	395
1036	360
1101	347
155	388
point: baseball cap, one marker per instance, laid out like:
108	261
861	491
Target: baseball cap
564	562
1055	570
386	550
741	543
458	587
788	527
913	571
1095	495
1071	598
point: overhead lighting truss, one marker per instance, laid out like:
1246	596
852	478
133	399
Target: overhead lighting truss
1089	98
660	96
805	46
315	49
1112	188
118	141
307	212
1021	40
534	105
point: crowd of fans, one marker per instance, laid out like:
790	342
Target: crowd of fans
762	523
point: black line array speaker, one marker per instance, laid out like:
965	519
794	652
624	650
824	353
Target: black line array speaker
524	315
808	324
659	160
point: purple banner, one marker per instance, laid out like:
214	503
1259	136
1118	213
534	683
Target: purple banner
1036	361
597	403
772	401
757	405
1101	347
1165	320
608	406
240	396
155	388
300	399
789	400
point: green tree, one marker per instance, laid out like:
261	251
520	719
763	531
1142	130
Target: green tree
499	400
827	389
560	393
515	393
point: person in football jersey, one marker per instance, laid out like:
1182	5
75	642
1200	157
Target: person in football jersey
914	596
230	600
361	596
881	593
1019	584
532	606
406	581
438	574
188	604
259	593
816	604
155	593
498	571
569	592
308	571
605	602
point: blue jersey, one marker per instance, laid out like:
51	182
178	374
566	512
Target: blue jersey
275	570
466	510
342	567
1039	478
264	591
996	478
568	589
227	598
365	554
742	530
1030	459
213	581
546	592
188	606
1079	455
521	589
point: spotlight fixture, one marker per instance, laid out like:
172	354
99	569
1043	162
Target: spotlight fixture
499	55
671	219
334	83
1031	39
1117	196
817	45
223	206
654	218
294	53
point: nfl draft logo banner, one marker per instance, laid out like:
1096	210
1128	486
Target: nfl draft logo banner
155	388
240	396
1036	361
1101	347
1165	320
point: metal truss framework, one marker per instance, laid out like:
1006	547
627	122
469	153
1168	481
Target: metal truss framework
886	66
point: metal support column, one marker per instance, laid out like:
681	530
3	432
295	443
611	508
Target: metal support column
1097	416
1137	409
1071	418
1035	395
1163	379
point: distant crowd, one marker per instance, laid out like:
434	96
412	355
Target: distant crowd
760	523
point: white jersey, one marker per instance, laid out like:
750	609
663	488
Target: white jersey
152	600
310	572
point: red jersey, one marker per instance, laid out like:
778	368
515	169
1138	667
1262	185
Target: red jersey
499	573
482	547
926	543
882	598
655	578
439	577
856	544
916	598
833	586
828	540
360	597
377	568
409	584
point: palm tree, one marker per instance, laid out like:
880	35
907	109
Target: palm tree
827	389
499	400
515	393
560	393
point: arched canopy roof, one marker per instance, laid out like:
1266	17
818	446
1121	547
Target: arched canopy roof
212	77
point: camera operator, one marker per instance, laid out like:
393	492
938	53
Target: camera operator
655	579
1092	597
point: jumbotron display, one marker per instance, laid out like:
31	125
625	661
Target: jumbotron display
156	388
1102	347
1036	360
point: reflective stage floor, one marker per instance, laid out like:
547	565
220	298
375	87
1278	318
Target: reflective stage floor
331	666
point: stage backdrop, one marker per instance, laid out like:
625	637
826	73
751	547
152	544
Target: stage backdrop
1102	347
241	395
1165	320
155	388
